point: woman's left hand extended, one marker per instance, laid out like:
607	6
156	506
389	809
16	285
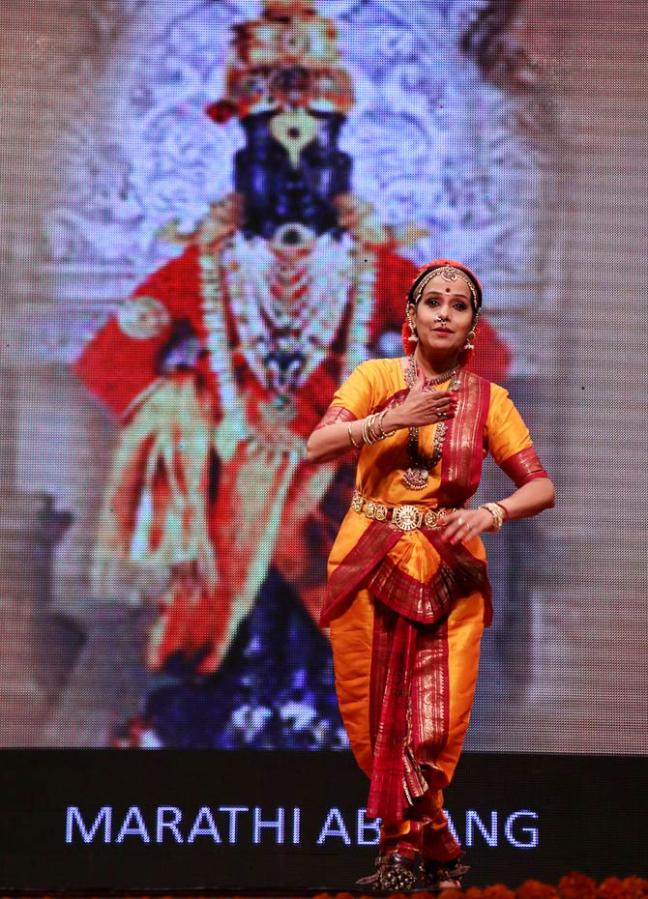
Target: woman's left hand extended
464	524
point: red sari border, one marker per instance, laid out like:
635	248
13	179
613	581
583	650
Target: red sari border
409	721
334	414
427	602
369	551
394	655
463	447
367	565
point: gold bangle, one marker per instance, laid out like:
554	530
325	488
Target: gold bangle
497	513
383	432
368	434
351	440
372	428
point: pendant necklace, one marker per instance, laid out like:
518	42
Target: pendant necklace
417	475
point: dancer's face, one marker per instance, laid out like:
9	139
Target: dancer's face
443	316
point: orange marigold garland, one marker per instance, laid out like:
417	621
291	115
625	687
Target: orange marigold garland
612	888
576	886
630	888
636	887
572	886
497	891
534	889
473	893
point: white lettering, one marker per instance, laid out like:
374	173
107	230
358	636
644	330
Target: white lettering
451	826
363	826
520	829
163	824
206	829
258	825
136	829
532	833
88	834
233	811
329	831
296	826
473	818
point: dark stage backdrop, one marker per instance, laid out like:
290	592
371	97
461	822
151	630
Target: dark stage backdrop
255	822
143	152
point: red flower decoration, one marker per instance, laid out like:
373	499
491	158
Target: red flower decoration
497	891
221	111
474	893
534	889
612	888
635	888
576	886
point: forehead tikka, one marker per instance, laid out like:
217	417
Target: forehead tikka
449	273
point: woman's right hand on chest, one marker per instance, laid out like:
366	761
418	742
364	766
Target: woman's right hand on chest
422	406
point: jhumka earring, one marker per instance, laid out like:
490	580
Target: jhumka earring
470	336
413	335
469	344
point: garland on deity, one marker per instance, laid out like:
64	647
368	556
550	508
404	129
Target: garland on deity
284	315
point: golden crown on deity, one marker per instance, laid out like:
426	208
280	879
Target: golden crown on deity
288	57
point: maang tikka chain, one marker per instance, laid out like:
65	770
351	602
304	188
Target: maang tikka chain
449	273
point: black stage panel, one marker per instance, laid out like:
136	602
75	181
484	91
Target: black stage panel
253	821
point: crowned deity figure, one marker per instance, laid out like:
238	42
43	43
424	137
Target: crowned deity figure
221	363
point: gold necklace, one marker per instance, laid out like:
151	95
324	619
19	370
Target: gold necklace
411	373
417	475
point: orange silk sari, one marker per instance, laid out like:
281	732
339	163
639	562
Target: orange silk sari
406	609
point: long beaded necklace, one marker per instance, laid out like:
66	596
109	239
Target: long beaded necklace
287	315
214	270
417	475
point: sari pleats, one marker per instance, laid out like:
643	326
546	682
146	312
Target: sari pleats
395	638
405	692
409	711
429	711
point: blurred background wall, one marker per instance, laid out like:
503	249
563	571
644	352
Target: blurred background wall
588	625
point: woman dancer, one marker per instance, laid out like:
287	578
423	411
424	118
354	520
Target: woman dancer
408	593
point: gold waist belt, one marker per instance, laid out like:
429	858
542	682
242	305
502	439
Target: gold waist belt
405	517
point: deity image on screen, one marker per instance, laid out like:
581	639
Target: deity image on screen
274	181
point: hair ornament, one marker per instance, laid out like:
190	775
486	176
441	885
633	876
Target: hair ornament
450	271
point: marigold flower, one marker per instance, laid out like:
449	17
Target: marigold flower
498	891
576	886
534	889
451	893
635	888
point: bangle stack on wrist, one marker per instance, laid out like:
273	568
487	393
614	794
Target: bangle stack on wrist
498	513
373	430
